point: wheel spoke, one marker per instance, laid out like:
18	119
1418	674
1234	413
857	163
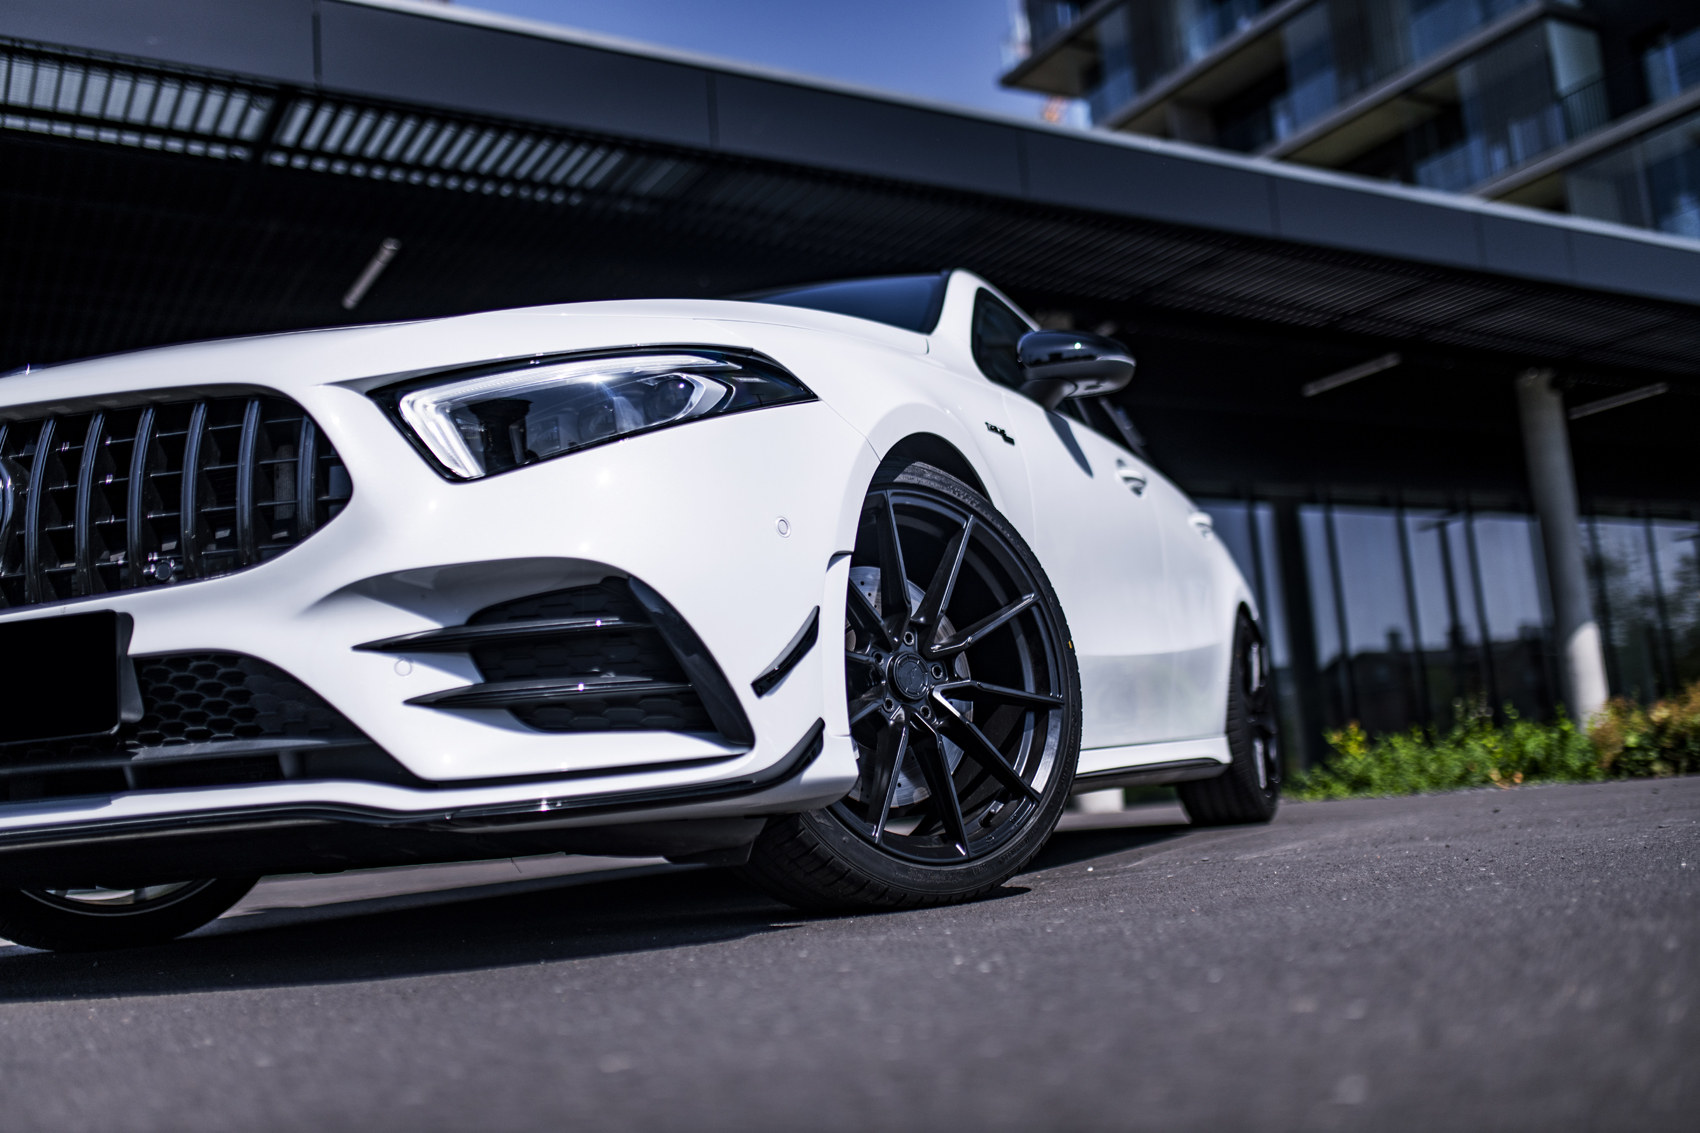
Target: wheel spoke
894	580
888	761
978	631
864	620
860	658
865	706
1000	692
977	747
937	598
943	792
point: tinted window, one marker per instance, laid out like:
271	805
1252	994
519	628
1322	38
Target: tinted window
911	302
996	330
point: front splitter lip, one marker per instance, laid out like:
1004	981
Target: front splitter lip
780	788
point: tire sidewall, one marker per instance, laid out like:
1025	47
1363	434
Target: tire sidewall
1240	738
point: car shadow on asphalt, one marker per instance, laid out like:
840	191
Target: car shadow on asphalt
501	926
541	925
1070	847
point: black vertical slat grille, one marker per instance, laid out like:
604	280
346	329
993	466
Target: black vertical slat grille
159	494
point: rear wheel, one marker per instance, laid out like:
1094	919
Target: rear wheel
964	708
86	920
1250	789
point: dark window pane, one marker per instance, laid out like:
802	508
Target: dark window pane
1623	577
1314	522
1674	546
1379	687
997	330
1506	550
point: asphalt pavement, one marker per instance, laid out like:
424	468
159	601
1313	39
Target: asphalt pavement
1520	959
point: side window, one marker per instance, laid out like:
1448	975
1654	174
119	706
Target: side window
996	330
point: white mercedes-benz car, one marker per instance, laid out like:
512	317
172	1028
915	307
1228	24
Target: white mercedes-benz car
847	585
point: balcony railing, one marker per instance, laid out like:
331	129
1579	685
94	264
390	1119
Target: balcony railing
1651	182
1495	149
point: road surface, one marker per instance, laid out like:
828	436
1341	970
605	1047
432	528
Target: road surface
1522	959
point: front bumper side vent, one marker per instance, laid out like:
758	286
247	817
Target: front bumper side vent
604	658
122	499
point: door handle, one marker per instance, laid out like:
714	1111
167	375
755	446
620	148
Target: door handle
1134	481
1201	520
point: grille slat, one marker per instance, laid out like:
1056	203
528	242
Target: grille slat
35	580
135	543
85	581
189	538
245	471
106	494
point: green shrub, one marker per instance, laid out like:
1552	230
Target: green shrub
1661	740
1476	753
1625	740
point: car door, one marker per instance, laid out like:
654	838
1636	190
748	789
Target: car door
1192	578
1097	536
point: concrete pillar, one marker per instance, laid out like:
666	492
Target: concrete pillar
1552	483
1305	749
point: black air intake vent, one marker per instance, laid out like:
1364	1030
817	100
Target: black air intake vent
100	498
209	719
605	658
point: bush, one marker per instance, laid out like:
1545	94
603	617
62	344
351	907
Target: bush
1476	753
1625	740
1662	740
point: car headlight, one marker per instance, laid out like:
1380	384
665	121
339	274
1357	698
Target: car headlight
478	422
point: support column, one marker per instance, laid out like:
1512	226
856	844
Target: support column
1552	483
1306	749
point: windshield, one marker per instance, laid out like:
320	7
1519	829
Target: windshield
911	302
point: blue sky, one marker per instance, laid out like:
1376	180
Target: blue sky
949	50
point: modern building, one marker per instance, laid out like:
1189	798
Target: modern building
1590	107
1366	383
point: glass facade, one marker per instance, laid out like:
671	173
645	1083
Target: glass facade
1672	65
1647	595
1329	52
1135	44
1046	18
1532	84
1418	616
1523	97
1653	182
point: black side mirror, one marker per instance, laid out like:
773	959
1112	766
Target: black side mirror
1060	364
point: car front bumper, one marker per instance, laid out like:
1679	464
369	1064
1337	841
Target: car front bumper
694	512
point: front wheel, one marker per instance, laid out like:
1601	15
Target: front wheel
964	702
1249	789
88	920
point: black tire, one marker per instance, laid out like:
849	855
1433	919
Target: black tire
1250	789
79	920
1010	695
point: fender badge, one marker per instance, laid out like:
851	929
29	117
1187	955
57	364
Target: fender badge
1007	439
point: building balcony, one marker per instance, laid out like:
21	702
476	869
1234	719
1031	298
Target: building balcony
1165	67
1506	99
1449	94
1643	169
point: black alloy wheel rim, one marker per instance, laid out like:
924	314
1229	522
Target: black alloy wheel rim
1262	731
957	730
